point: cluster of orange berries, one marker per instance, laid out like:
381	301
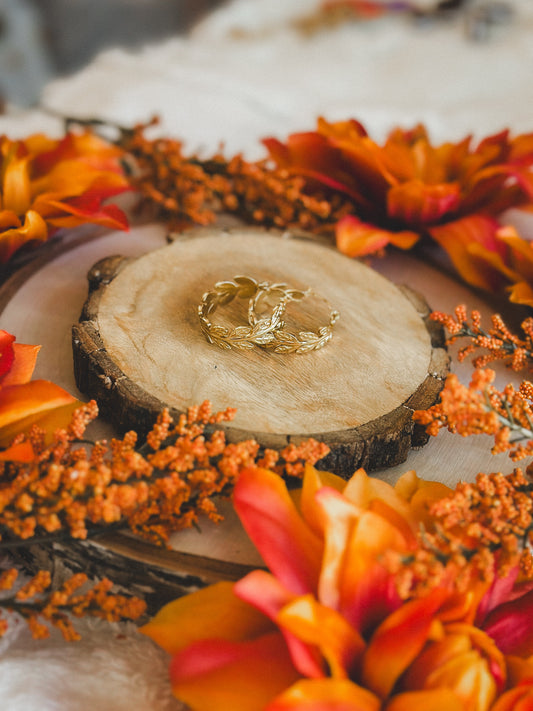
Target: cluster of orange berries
480	408
498	342
185	191
482	530
154	490
40	607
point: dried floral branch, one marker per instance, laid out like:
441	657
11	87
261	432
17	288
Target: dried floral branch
482	409
185	191
161	487
499	342
50	184
40	607
482	530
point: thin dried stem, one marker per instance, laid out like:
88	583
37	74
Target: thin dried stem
153	490
497	343
42	608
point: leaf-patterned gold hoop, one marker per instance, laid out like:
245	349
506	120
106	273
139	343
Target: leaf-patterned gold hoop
266	332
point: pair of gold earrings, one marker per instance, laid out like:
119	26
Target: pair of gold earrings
266	332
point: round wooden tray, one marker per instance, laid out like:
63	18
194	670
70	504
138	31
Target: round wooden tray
139	347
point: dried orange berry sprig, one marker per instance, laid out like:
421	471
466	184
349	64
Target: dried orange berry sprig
497	342
186	190
42	608
480	530
480	408
161	487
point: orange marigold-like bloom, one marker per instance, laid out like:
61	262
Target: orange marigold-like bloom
327	628
328	622
47	184
408	189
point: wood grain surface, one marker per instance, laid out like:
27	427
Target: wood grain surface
139	346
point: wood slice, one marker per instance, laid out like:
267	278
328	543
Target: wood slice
139	347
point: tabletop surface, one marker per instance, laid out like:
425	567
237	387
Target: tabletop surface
244	73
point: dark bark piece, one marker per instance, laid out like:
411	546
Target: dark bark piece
157	575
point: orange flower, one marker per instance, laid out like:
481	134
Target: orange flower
464	659
47	184
408	189
326	629
515	266
25	402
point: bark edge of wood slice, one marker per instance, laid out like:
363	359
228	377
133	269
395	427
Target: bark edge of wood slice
380	442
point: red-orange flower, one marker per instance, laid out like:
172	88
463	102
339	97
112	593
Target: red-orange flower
47	184
327	630
408	189
25	402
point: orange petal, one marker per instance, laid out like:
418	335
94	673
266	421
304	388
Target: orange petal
428	700
361	163
313	481
341	517
521	252
16	191
315	158
518	699
457	237
263	591
72	178
519	670
350	129
367	589
356	238
397	642
521	293
48	420
326	695
353	578
466	672
216	675
288	546
416	203
421	494
7	353
86	208
51	152
26	404
362	489
34	228
214	610
435	656
339	643
23	366
490	260
8	220
22	452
